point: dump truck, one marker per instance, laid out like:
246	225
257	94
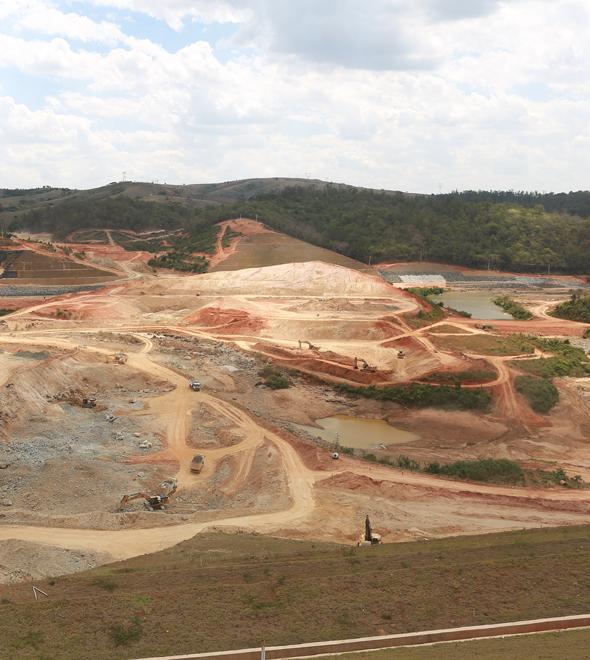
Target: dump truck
195	385
197	463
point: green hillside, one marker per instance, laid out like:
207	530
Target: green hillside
504	230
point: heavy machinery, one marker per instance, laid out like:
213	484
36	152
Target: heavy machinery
120	358
309	345
401	355
197	463
484	326
152	502
370	537
89	402
195	385
365	365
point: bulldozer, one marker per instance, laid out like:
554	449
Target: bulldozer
370	537
365	365
152	502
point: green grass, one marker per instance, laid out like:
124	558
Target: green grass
516	344
194	598
567	360
541	393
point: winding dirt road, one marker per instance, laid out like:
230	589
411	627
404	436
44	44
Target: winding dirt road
173	408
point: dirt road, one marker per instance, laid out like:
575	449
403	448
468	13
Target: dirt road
174	408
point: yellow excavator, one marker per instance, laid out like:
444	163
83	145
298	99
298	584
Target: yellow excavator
369	537
152	502
365	365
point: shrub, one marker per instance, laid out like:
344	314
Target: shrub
421	395
515	309
274	378
499	470
277	382
407	463
541	393
105	583
577	308
567	360
125	634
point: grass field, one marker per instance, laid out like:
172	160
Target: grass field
570	645
487	344
221	591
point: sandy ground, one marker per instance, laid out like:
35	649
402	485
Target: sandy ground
64	468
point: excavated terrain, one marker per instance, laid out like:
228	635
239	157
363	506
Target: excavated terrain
133	345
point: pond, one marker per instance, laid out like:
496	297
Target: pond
478	303
359	432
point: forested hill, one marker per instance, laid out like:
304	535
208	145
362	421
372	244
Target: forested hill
573	203
370	225
515	231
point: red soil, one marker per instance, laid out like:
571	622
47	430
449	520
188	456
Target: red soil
227	321
534	326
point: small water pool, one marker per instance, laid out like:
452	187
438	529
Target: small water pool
359	432
478	303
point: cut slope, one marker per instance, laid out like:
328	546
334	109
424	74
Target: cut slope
259	246
29	267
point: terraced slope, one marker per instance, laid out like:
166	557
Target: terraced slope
28	267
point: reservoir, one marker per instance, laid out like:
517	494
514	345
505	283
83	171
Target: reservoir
359	432
478	303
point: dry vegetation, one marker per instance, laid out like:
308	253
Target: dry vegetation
230	591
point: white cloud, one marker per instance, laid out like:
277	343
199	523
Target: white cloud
175	12
410	95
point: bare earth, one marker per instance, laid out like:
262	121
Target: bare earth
64	468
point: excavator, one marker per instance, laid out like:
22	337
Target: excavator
366	365
309	345
370	537
152	502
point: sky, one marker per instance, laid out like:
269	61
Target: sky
416	95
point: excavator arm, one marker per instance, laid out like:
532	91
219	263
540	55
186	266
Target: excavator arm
128	498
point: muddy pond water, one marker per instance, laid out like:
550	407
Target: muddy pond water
478	303
359	432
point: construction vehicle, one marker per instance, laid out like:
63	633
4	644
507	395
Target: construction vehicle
366	365
309	345
336	448
370	537
89	402
197	463
401	355
195	385
152	502
120	358
484	326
